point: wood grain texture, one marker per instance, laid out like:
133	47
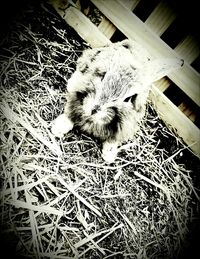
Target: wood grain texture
161	18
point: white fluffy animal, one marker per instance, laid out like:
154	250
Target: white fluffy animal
107	94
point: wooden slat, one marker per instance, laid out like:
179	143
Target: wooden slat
106	27
130	4
192	116
83	26
173	116
163	84
167	110
161	18
185	108
191	113
129	24
188	48
87	30
158	21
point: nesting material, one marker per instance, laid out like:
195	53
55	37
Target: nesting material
59	199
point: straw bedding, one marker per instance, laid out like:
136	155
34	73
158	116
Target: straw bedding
59	199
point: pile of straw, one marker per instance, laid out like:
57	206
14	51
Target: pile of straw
59	199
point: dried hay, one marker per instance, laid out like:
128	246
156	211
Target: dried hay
58	197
